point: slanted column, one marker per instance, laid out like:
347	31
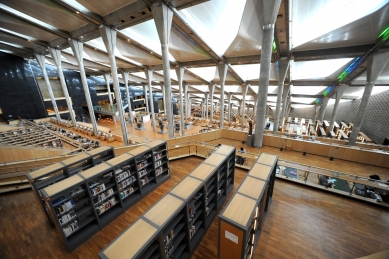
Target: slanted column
375	64
56	55
339	90
270	11
244	91
222	68
317	110
41	62
285	93
107	78
164	98
187	107
149	76
283	66
147	103
180	77
206	105
126	76
211	88
240	107
163	17
323	108
109	38
77	48
229	96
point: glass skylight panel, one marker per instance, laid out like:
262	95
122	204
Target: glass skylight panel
270	89
302	105
307	90
217	22
376	90
202	88
230	88
318	68
332	101
76	5
247	71
312	18
18	34
139	74
272	98
146	34
302	100
207	73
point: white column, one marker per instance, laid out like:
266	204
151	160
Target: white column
107	78
126	76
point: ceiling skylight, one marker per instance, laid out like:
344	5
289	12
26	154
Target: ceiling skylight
308	90
312	19
317	69
302	100
247	72
217	21
207	73
376	90
146	33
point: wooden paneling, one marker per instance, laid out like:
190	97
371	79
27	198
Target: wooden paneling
230	249
368	157
297	145
383	160
336	152
351	154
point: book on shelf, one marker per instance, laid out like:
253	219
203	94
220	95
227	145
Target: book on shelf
144	180
65	207
126	192
67	217
158	171
106	205
104	195
70	228
97	189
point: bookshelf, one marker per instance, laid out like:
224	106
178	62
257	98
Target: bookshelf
175	225
54	173
109	188
241	221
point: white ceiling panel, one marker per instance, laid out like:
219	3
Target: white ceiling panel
103	7
313	18
248	41
302	100
207	73
308	90
217	21
317	69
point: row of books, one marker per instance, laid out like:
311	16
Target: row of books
127	182
142	164
142	172
126	192
70	228
106	205
122	176
65	207
158	163
104	195
67	217
97	189
158	171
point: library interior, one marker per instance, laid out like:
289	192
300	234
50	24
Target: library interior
194	129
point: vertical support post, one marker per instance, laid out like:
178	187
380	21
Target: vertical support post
77	48
163	17
339	90
222	68
283	66
323	108
107	78
285	93
244	90
187	107
229	96
109	38
56	55
270	11
375	64
149	76
180	76
317	109
41	61
145	93
211	88
255	106
126	76
164	98
206	105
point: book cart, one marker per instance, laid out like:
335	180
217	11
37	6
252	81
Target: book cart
54	173
84	203
241	221
175	225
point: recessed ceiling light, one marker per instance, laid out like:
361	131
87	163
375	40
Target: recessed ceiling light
128	40
77	12
29	40
57	46
151	52
81	37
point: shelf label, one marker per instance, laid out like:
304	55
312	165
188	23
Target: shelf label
232	237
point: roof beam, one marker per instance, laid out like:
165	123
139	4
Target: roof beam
343	52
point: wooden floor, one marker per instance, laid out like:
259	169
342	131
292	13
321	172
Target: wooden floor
301	223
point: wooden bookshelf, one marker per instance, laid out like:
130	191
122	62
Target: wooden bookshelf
57	172
109	189
241	221
174	226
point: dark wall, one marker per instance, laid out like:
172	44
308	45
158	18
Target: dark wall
19	92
